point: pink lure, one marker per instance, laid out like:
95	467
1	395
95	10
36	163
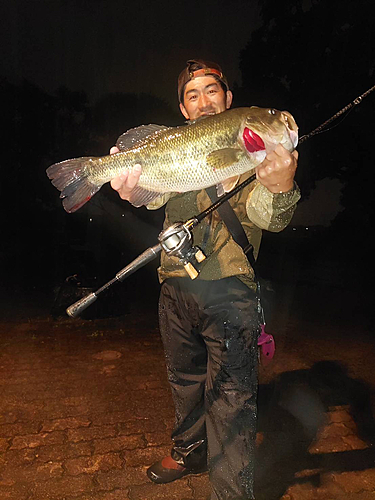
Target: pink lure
267	344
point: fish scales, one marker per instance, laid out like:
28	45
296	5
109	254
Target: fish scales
178	163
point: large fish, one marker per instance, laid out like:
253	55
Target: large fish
179	159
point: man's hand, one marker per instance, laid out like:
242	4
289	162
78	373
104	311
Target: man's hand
277	171
125	182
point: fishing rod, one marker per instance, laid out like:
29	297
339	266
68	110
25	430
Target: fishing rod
177	240
345	109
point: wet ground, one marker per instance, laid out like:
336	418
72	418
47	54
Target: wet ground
85	407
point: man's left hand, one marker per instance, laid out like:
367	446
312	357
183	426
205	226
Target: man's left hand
277	171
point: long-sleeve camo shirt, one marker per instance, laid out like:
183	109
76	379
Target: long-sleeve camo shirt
256	208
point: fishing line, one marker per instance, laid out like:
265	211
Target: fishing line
346	109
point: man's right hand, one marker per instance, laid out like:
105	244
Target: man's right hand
127	180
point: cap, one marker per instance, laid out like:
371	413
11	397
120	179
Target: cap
198	67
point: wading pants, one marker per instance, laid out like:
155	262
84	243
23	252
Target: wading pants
210	331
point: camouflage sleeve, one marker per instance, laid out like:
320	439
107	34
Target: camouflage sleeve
270	211
159	201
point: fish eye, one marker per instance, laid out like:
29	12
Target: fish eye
272	111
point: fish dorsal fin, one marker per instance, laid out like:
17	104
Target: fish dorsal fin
222	158
140	196
134	135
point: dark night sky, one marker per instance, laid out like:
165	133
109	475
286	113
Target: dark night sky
102	46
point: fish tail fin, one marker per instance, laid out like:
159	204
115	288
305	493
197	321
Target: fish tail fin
72	179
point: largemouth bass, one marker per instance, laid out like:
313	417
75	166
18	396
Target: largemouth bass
201	154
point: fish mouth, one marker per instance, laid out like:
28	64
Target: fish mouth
253	142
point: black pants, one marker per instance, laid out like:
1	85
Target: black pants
210	331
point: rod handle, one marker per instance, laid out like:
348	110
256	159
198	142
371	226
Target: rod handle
75	309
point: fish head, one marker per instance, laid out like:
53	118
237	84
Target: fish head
264	128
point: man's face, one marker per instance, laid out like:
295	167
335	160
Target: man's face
204	96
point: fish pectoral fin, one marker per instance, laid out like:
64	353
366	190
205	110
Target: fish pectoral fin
140	196
134	135
222	158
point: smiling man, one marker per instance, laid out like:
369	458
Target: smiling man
210	325
203	96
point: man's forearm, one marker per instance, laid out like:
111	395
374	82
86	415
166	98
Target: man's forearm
271	211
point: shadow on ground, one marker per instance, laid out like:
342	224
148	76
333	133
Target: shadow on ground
293	410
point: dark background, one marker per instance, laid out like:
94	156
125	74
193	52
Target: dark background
76	74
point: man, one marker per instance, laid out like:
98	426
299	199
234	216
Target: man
210	325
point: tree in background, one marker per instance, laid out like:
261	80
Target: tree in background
313	57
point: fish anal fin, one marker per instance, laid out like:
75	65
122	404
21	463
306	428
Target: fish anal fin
223	158
134	135
141	196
